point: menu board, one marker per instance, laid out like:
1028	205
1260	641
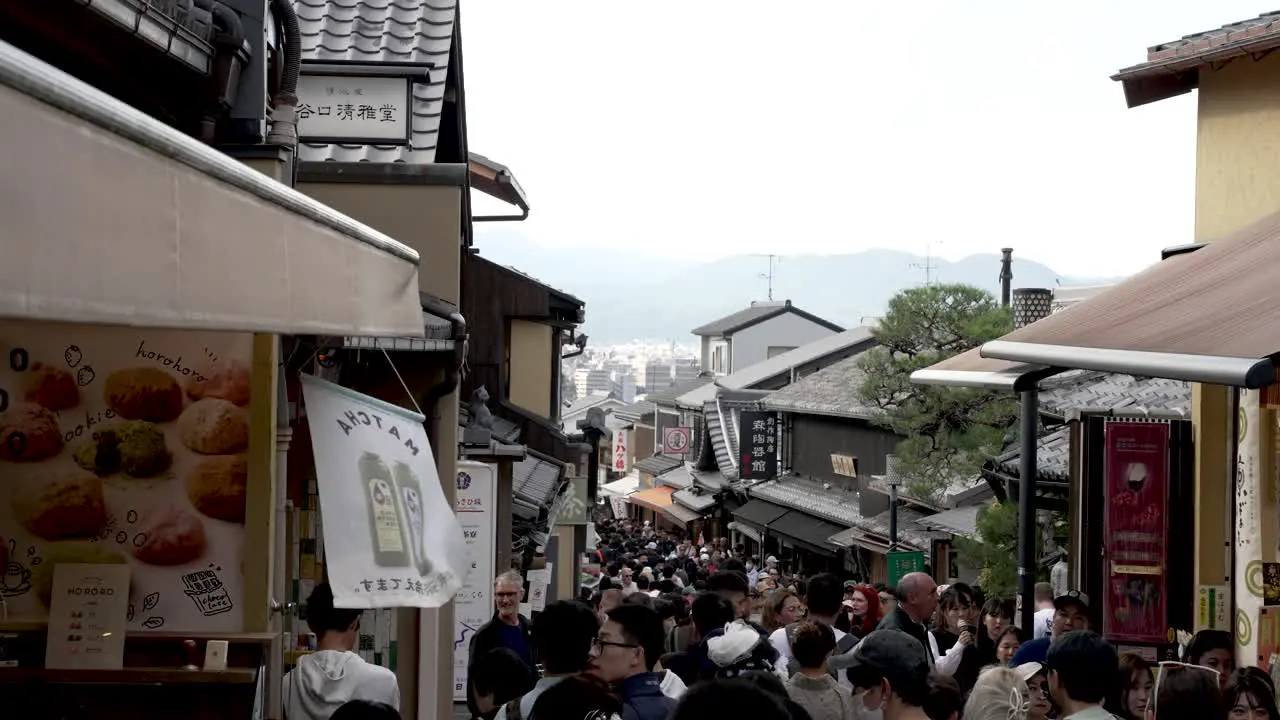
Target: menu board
90	607
126	446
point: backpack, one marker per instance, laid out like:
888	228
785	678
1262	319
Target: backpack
843	645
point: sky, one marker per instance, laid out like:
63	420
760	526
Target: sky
699	130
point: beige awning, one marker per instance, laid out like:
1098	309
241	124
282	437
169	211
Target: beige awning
1205	316
970	369
112	217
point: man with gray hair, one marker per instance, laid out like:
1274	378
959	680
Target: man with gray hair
508	628
917	599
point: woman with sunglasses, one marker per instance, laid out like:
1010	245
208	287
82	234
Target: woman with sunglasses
1186	692
1135	687
1251	695
781	608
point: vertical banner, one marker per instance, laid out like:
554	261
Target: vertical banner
1136	527
390	537
473	606
757	442
1247	575
620	462
126	446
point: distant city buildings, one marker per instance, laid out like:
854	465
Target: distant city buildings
628	371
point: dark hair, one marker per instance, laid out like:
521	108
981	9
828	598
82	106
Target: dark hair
642	582
956	595
678	608
562	636
642	626
365	710
710	612
1187	693
323	617
638	598
1254	683
580	697
1206	641
773	686
1013	630
1132	665
912	688
737	697
824	594
1000	607
723	581
734	565
1085	664
944	698
811	643
502	673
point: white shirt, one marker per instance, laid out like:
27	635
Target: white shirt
526	702
1042	625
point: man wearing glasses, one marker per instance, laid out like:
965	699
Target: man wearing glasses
624	654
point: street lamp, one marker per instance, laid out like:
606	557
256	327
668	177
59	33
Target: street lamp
893	479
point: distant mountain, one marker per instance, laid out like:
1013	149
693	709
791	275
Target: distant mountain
631	296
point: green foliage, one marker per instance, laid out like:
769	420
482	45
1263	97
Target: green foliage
995	550
950	432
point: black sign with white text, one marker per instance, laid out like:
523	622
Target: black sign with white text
758	444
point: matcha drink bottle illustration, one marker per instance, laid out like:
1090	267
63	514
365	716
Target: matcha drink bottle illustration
390	549
411	500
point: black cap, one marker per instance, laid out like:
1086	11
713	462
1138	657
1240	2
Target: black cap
894	654
850	584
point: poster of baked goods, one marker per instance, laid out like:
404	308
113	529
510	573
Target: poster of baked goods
125	446
390	537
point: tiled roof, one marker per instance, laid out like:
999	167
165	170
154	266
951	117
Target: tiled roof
832	391
709	479
658	464
694	500
835	346
536	479
719	443
1109	393
749	315
1053	457
1171	68
679	478
668	397
909	531
807	496
503	429
958	521
402	32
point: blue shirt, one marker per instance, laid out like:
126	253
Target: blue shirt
513	639
1031	651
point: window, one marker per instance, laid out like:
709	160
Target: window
776	350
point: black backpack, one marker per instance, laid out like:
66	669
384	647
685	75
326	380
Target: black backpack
843	645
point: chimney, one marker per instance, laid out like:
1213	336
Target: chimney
1030	305
1006	275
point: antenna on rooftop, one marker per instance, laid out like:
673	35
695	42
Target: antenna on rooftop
769	276
927	266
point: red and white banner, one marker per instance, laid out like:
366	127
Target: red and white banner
620	461
1134	604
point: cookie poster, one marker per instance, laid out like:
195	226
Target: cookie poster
125	446
390	537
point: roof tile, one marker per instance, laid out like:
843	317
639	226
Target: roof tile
375	32
832	391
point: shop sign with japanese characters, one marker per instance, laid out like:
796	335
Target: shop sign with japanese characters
758	444
359	109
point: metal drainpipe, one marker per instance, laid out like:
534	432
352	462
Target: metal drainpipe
280	584
284	112
1027	472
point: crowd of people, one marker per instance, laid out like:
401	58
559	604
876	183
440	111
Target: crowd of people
675	630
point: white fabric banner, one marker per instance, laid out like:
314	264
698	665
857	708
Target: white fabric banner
390	538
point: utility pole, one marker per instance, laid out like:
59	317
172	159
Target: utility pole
771	274
927	265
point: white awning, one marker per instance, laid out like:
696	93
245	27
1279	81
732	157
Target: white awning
621	488
112	217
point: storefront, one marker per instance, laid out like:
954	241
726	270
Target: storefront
1202	315
146	283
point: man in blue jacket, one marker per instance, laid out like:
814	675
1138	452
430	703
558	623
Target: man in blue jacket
624	655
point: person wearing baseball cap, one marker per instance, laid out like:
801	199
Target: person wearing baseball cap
1070	612
1037	679
889	671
